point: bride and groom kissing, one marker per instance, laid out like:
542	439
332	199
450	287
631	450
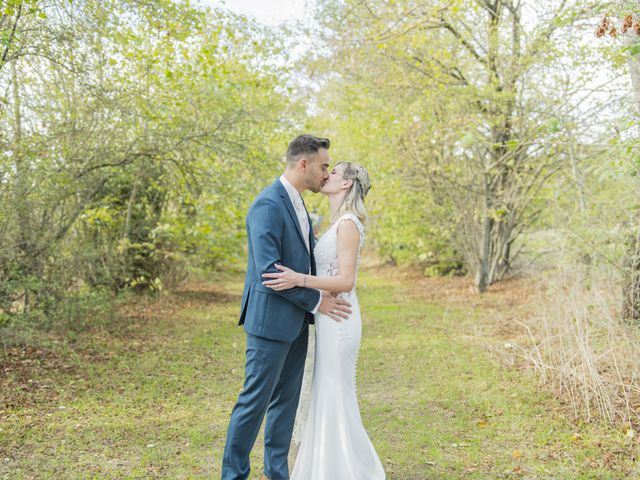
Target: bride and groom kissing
291	282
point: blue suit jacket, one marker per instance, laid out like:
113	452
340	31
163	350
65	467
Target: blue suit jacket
274	236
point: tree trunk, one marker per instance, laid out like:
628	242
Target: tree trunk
132	201
483	279
26	257
631	285
631	282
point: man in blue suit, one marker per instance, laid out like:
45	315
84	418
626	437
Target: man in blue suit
277	322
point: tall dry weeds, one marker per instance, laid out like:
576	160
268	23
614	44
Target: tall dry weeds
579	346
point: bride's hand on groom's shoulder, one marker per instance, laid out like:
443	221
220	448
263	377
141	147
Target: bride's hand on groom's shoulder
334	306
283	280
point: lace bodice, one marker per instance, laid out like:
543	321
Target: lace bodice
326	250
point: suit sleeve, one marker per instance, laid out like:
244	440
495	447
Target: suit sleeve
265	225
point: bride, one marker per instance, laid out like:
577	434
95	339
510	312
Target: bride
335	445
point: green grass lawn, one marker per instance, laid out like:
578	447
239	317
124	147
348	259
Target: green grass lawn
149	396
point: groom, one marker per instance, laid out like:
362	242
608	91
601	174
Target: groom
277	322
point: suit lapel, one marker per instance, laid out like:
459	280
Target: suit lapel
312	246
287	202
312	240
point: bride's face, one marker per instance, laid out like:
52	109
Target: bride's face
336	182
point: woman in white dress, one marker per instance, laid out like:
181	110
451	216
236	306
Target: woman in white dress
334	444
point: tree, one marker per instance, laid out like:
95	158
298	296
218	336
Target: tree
625	24
477	84
138	132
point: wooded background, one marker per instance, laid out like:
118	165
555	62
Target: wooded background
501	137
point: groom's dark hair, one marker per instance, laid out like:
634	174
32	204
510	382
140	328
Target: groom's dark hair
305	145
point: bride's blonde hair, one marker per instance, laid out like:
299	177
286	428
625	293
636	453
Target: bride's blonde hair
353	201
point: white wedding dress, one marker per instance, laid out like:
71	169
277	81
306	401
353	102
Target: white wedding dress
334	444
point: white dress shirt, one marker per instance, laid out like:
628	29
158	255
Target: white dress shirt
303	220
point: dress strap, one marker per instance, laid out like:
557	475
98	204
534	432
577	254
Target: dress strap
356	220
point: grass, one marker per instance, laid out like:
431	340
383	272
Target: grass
149	396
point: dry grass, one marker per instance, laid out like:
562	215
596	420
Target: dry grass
580	348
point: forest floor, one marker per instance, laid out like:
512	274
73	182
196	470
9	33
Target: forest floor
148	394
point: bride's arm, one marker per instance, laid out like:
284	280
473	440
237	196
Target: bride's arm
348	242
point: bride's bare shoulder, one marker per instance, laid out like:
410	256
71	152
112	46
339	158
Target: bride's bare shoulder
352	222
348	231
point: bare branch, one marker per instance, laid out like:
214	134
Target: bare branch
11	35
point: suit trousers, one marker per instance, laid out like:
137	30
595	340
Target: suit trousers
273	378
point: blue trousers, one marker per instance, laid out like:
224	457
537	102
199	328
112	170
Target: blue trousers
273	378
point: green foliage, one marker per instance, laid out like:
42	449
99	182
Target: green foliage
136	136
461	115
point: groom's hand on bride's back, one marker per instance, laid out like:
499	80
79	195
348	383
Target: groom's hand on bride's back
335	307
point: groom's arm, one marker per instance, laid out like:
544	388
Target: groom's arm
265	226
